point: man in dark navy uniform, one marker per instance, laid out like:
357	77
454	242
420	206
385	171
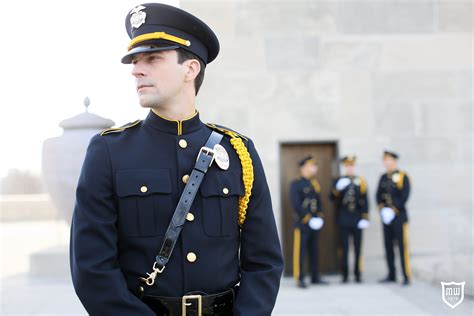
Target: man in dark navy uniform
153	184
306	202
349	194
392	194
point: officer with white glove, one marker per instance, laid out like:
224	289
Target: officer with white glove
392	194
306	201
349	193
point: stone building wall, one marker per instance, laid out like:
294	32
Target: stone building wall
371	75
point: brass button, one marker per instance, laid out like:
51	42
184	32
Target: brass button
144	189
190	217
185	178
141	289
225	191
191	257
183	143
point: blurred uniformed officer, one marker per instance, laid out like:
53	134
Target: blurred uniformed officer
132	181
349	194
392	194
306	201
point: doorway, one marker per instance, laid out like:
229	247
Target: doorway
327	157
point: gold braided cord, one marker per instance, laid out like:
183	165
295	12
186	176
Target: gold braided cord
247	168
247	175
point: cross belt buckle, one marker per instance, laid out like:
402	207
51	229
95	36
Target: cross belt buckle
207	151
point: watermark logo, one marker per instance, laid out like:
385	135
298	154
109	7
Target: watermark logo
452	293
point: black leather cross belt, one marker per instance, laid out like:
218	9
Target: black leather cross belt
193	304
203	162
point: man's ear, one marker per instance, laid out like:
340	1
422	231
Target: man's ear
193	69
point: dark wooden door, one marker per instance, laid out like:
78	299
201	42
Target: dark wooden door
326	156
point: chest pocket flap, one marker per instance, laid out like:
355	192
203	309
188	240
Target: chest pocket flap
220	193
142	182
145	206
225	183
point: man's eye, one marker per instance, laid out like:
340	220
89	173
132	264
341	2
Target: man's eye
154	57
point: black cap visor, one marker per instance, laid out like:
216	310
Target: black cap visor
127	59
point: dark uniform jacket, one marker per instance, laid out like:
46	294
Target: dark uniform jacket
351	203
306	201
129	186
393	191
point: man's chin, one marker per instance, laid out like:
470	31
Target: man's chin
148	102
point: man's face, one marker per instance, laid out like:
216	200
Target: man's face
389	163
309	170
349	169
159	77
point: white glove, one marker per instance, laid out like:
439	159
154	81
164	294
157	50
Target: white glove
387	215
315	223
342	183
363	224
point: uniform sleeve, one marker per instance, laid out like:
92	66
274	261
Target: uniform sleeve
295	197
404	193
260	253
378	196
334	195
320	208
96	275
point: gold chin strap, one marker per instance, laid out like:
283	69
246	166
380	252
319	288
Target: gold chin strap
158	35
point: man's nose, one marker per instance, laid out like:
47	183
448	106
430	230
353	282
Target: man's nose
138	69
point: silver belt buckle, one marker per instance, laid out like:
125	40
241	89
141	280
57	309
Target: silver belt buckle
208	151
185	303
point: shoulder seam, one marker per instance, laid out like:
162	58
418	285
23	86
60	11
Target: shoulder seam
119	129
226	131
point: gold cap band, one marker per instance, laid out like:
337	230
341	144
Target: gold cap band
157	35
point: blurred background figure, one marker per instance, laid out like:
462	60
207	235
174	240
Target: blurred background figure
349	193
306	201
392	194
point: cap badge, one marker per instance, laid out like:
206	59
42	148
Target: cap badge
221	157
138	16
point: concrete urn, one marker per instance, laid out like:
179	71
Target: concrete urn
63	156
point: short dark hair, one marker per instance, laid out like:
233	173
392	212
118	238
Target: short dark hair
184	55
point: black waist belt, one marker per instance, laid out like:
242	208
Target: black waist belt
220	304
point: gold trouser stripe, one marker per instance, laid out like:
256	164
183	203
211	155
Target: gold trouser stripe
158	35
406	257
359	262
296	253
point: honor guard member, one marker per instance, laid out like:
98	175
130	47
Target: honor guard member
173	216
349	193
306	202
392	195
